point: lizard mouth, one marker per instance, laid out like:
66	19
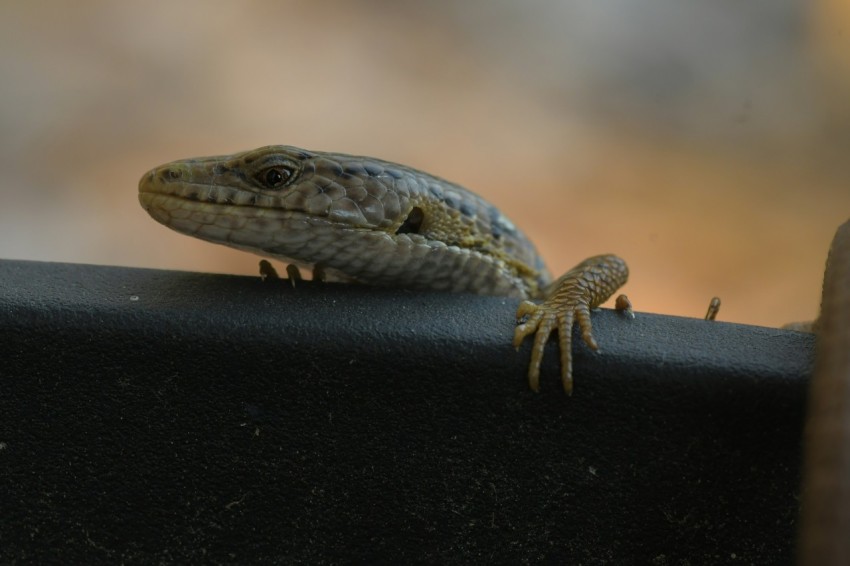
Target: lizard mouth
182	185
271	231
232	215
194	208
208	194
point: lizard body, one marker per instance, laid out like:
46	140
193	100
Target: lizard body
380	223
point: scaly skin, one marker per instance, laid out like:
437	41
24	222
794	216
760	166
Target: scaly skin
379	223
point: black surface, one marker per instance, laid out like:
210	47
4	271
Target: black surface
223	419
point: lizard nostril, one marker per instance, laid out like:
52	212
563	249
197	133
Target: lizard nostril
169	174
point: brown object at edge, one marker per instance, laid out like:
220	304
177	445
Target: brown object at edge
825	514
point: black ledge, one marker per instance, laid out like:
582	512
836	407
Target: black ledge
155	416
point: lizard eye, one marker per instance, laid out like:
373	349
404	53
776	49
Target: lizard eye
274	177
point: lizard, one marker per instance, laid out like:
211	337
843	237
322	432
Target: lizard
371	221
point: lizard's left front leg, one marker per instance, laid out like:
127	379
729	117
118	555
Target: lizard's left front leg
567	300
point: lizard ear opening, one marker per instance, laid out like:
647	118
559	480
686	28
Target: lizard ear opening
413	223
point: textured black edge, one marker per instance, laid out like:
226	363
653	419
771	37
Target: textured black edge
150	415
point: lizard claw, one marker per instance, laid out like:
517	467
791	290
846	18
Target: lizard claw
569	300
267	271
544	319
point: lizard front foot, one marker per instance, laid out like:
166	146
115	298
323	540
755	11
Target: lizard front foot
567	300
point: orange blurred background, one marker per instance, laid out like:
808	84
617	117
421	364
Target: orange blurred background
705	142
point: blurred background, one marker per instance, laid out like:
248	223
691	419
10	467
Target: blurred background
706	142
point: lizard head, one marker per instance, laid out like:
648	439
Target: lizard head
251	199
342	188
